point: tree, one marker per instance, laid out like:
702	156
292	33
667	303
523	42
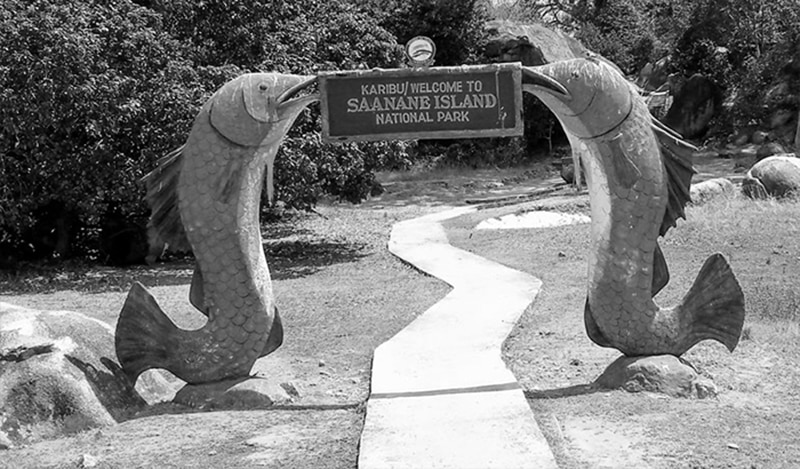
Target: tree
744	46
455	26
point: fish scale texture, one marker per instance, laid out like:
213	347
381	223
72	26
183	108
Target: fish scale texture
638	174
215	180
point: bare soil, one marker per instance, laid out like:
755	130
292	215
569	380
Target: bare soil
330	271
341	294
753	423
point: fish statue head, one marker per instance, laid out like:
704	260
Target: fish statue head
580	93
257	108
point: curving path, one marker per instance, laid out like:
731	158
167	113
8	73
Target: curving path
441	394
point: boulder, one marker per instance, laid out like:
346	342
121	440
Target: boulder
704	191
769	149
776	176
58	375
664	374
531	44
694	106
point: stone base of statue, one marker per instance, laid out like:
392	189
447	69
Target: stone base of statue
252	392
665	374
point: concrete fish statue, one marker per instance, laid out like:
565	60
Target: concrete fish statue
638	174
205	196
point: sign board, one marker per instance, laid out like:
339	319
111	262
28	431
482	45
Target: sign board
426	103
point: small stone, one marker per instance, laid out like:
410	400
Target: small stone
213	452
324	373
290	389
87	460
741	140
5	443
321	363
759	137
733	446
562	254
705	389
575	362
749	151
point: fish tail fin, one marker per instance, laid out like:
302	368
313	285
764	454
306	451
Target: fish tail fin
144	333
714	306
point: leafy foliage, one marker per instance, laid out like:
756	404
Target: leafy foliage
91	94
456	26
744	46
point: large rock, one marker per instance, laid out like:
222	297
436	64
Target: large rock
704	191
665	374
58	375
531	44
775	176
694	106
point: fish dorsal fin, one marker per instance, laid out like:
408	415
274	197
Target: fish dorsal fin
197	296
162	196
676	154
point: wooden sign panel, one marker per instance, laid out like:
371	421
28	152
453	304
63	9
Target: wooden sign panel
427	103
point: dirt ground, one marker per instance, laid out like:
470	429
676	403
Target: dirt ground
330	273
753	423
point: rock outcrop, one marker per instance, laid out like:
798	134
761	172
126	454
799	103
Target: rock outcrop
776	176
694	106
58	375
531	44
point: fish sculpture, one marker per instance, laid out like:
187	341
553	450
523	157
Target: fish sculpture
205	196
638	174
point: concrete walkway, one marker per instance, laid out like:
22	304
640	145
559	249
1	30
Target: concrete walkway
441	395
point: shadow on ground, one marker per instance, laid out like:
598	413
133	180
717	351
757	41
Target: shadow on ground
287	259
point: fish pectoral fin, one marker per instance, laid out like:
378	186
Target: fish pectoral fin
162	197
626	171
676	155
660	271
592	329
229	181
197	291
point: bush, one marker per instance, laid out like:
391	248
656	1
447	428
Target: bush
94	91
91	94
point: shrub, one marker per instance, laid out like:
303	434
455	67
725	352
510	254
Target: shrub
91	94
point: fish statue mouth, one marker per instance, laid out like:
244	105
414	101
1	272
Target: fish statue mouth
536	78
272	109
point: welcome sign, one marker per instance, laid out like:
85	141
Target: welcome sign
437	102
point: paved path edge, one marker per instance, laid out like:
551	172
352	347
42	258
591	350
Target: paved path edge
441	395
